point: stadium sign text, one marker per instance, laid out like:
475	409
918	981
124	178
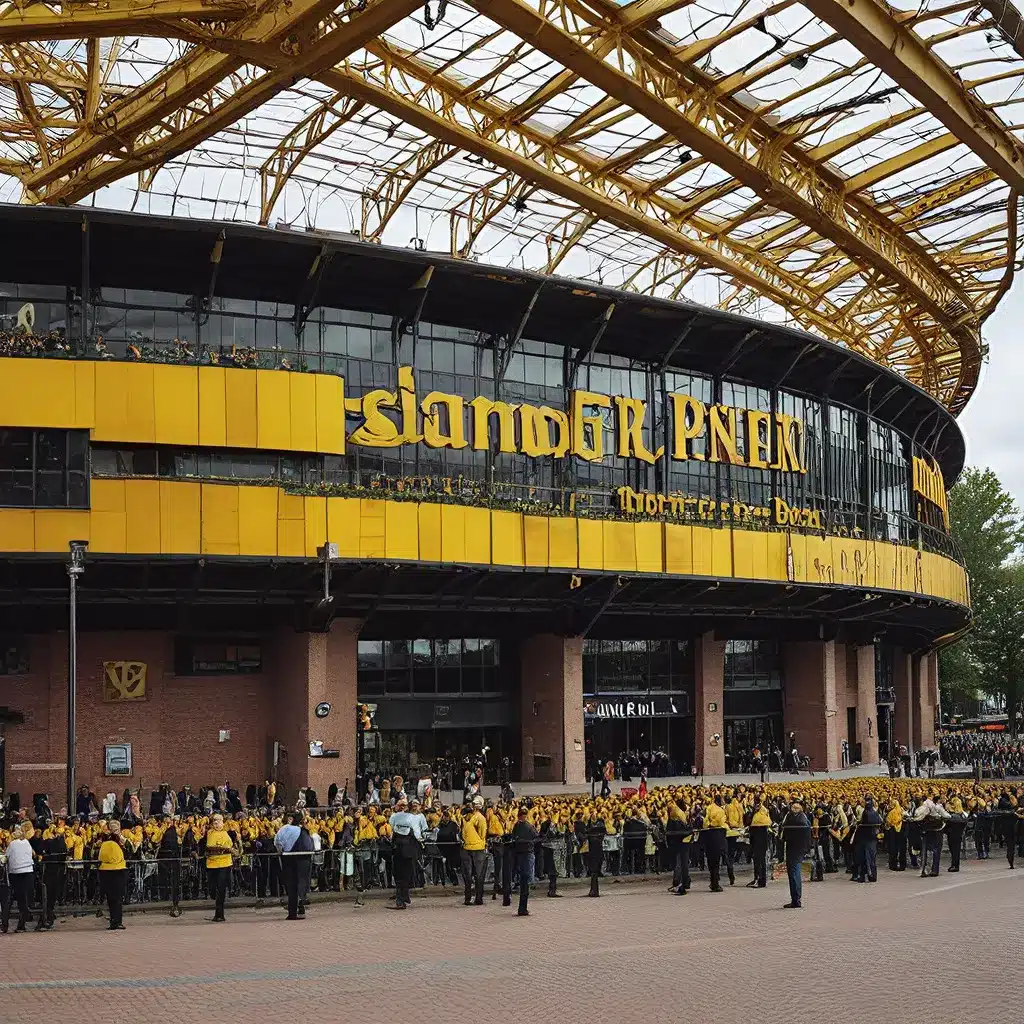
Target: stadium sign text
715	433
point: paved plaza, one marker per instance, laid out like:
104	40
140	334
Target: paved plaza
935	951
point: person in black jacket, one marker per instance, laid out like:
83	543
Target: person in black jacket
168	864
865	844
55	854
677	831
595	853
796	834
524	835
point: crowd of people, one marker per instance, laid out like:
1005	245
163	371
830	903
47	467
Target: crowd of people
999	754
211	844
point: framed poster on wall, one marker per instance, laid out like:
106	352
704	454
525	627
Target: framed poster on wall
117	759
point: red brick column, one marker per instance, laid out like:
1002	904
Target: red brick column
867	726
312	668
903	713
708	674
924	685
810	710
551	696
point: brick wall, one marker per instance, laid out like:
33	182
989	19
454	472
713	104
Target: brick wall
552	708
810	708
174	732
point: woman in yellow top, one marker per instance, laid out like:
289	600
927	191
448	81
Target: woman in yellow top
219	846
113	874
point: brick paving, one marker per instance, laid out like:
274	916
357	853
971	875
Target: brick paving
854	953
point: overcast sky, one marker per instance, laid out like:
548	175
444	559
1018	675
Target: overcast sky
994	419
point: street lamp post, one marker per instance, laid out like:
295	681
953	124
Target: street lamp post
75	569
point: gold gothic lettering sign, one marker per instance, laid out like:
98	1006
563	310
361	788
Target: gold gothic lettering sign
680	506
124	680
743	437
928	484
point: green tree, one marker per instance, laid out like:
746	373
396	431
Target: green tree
989	528
999	640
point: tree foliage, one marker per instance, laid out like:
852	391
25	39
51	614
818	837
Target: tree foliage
989	527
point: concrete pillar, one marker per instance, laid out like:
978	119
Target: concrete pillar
315	668
810	711
551	709
709	700
924	686
903	714
867	726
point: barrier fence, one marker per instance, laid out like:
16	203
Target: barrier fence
171	883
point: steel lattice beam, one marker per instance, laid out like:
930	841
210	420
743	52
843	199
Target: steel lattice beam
874	29
114	17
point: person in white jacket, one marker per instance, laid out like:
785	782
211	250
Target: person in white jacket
932	816
18	859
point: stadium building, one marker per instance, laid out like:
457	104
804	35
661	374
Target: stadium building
352	508
401	379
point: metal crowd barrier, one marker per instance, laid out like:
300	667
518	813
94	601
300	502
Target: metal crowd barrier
257	877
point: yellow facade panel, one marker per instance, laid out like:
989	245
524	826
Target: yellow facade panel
371	528
181	511
344	526
291	527
649	554
591	543
703	540
562	543
302	405
429	519
220	519
107	495
140	411
721	553
176	404
142	516
678	549
453	533
55	528
619	546
257	521
507	538
316	525
330	414
742	554
273	410
402	531
535	540
777	557
107	533
39	393
111	420
240	404
212	407
18	530
85	393
478	536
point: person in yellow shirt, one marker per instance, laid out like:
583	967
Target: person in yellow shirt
760	824
474	851
219	846
113	874
715	826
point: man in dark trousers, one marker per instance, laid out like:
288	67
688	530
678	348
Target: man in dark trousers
865	844
55	854
524	835
796	834
677	832
760	823
595	853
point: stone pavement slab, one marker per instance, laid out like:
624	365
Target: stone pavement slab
918	951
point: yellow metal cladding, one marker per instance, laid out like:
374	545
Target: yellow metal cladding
139	403
146	403
161	517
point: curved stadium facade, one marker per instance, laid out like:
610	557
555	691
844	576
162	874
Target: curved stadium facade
486	508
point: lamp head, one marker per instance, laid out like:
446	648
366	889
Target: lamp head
77	548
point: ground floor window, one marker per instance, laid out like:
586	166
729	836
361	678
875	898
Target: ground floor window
402	752
744	735
661	744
